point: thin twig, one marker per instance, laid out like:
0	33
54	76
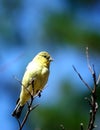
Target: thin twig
18	122
26	116
82	79
18	80
81	126
30	108
88	61
29	104
93	96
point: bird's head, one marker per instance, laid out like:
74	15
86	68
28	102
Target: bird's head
44	58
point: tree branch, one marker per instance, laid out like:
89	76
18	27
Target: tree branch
26	115
93	96
29	104
81	126
82	79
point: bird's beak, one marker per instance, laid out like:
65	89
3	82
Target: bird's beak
51	59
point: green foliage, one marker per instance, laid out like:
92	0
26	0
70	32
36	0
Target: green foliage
64	28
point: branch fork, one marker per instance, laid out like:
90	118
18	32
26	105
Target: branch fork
92	100
29	104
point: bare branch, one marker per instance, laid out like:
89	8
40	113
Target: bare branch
88	62
82	79
81	126
93	96
29	108
29	104
18	80
26	116
18	122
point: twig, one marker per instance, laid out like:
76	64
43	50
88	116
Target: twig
26	116
82	79
18	122
81	126
93	98
88	62
29	105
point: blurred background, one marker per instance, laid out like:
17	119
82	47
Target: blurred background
64	28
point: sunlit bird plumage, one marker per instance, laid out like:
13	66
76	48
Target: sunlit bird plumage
34	79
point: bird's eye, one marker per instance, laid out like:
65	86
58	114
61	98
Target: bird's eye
45	56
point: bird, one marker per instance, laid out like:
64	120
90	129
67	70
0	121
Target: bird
34	80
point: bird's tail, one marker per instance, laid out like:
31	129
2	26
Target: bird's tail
17	111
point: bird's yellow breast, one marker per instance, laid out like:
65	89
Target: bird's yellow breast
35	77
33	81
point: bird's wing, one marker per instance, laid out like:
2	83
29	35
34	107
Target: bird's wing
31	73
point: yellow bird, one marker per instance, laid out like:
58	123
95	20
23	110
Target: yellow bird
34	80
